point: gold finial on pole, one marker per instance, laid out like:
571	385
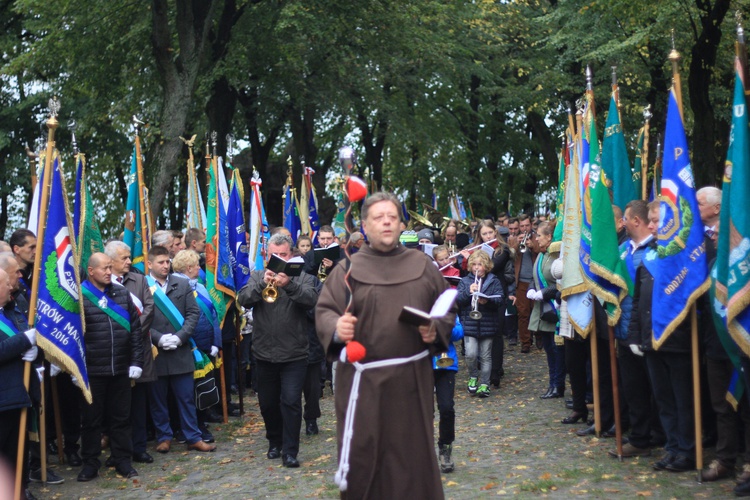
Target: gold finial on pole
644	151
675	57
214	142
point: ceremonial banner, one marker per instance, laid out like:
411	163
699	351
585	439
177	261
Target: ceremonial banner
196	211
33	223
88	236
719	315
338	223
291	214
681	269
559	209
615	162
217	248
603	270
580	306
224	266
237	235
311	213
58	319
132	235
733	272
259	233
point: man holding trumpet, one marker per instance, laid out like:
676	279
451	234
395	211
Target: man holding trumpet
280	323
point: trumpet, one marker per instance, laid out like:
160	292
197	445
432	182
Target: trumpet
322	273
475	314
522	246
270	293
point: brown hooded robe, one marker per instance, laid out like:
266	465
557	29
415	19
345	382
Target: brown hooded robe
392	452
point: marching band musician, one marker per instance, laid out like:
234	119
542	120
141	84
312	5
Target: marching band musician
280	347
524	276
325	239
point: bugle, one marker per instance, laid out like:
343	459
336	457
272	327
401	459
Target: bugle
444	361
322	273
522	246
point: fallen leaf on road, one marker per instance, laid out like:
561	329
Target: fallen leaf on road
451	483
643	493
488	486
521	467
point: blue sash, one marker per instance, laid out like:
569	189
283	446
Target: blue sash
165	306
109	307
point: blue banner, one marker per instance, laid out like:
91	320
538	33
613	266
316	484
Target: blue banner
291	214
237	237
681	265
58	310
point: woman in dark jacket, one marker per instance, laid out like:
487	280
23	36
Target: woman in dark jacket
478	333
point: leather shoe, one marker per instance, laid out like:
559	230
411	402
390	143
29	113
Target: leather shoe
553	393
164	446
716	470
610	433
311	428
110	462
742	489
662	464
681	464
525	349
87	474
290	461
588	431
143	458
574	418
28	495
273	453
127	472
744	475
546	394
201	446
569	404
629	451
73	459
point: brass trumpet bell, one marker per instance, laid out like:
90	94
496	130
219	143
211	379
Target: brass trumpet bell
270	292
322	274
444	361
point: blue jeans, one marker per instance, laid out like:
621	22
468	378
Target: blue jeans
555	359
672	383
182	388
482	347
280	399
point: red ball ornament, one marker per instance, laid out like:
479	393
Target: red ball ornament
355	351
356	189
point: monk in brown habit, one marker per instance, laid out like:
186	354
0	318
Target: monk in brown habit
390	452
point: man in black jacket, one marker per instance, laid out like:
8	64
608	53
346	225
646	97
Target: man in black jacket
281	349
114	355
669	368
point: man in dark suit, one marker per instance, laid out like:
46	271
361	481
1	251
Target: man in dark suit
136	284
175	316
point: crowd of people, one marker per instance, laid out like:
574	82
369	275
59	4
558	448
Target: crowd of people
298	330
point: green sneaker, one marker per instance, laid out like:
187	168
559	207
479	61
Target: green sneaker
472	385
483	391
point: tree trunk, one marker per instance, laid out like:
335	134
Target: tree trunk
707	166
178	69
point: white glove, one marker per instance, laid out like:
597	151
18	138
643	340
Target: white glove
30	355
214	351
54	370
636	349
75	381
530	294
169	342
40	373
135	372
164	338
31	335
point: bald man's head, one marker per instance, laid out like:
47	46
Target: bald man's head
100	270
9	264
5	289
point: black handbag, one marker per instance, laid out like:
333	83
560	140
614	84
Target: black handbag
206	392
549	313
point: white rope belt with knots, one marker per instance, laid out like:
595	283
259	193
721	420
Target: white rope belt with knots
351	408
